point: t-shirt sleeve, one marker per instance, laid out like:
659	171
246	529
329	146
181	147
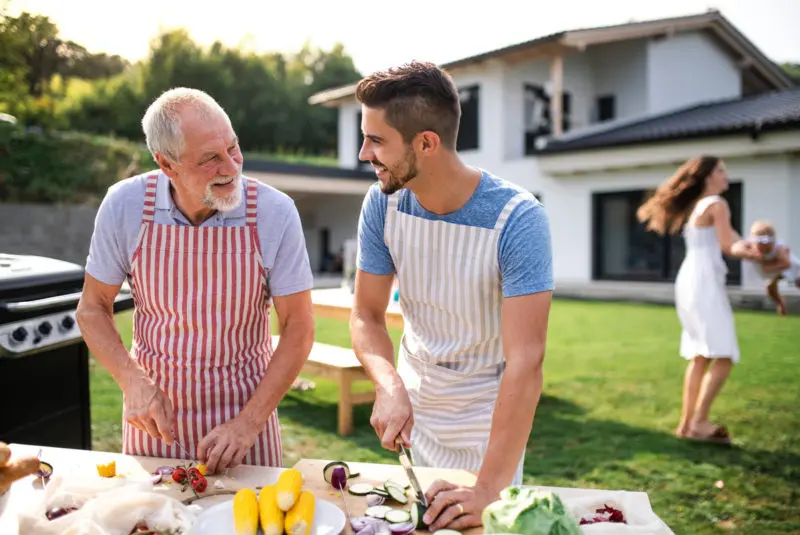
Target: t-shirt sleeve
108	260
525	251
373	254
291	270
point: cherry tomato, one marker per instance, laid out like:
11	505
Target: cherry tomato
179	475
200	484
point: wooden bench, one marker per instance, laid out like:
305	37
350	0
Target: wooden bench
341	365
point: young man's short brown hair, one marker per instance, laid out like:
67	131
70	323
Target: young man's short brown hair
416	96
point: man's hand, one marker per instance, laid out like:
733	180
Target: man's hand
148	409
228	443
392	416
456	507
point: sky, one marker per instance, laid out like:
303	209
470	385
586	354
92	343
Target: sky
379	34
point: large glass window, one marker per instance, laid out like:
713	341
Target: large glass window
625	250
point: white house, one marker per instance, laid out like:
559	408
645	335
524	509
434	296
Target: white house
590	120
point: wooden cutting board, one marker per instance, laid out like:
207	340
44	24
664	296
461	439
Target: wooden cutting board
375	473
69	461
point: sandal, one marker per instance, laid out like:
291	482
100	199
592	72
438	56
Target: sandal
720	435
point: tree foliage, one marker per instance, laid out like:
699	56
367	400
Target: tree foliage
266	95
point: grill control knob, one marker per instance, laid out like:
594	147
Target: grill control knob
67	323
19	335
45	328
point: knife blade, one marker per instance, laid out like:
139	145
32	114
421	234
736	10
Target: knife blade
412	478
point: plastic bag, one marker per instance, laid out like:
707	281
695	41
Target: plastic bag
639	520
105	506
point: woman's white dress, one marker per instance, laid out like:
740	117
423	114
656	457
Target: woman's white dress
701	300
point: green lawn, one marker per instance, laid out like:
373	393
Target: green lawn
611	401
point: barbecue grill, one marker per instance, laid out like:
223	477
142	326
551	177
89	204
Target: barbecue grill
44	362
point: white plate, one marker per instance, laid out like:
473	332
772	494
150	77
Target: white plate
218	520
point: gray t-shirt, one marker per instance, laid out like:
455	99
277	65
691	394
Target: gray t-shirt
119	219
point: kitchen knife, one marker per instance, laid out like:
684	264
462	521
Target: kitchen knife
406	462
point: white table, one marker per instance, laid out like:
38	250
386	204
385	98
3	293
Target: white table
81	461
337	303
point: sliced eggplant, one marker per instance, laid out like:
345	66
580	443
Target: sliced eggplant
45	470
377	511
327	471
361	489
397	516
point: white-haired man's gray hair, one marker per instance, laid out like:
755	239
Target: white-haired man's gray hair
161	122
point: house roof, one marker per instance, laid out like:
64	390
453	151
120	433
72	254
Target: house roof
776	110
316	171
751	59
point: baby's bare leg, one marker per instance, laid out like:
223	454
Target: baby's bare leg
774	294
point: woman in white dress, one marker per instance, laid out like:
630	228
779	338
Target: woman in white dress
690	201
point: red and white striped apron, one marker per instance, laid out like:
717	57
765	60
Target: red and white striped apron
201	327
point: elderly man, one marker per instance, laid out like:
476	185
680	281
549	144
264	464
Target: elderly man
206	252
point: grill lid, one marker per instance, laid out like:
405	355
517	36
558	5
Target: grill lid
20	272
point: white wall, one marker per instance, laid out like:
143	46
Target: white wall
688	68
348	134
339	213
768	188
620	69
645	77
793	231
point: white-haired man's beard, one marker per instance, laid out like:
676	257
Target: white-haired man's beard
224	203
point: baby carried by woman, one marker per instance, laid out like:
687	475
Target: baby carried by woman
778	262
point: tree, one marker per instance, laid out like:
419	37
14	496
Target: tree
793	70
265	95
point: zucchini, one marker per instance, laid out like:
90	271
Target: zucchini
397	516
377	511
417	512
397	493
380	491
360	489
448	532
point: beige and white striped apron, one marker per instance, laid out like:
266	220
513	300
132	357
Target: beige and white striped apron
451	354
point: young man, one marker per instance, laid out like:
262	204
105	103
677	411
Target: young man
472	255
206	251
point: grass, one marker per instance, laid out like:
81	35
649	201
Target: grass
610	405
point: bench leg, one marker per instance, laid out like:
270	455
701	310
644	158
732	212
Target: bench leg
345	403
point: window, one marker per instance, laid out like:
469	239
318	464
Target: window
359	138
468	128
605	108
625	250
537	114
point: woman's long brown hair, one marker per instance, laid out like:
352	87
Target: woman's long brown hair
668	208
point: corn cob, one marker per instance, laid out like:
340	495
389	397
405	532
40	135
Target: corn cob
300	518
245	512
288	488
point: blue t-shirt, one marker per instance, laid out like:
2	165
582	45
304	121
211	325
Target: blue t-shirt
524	251
119	219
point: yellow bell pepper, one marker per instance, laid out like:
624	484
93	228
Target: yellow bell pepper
107	470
